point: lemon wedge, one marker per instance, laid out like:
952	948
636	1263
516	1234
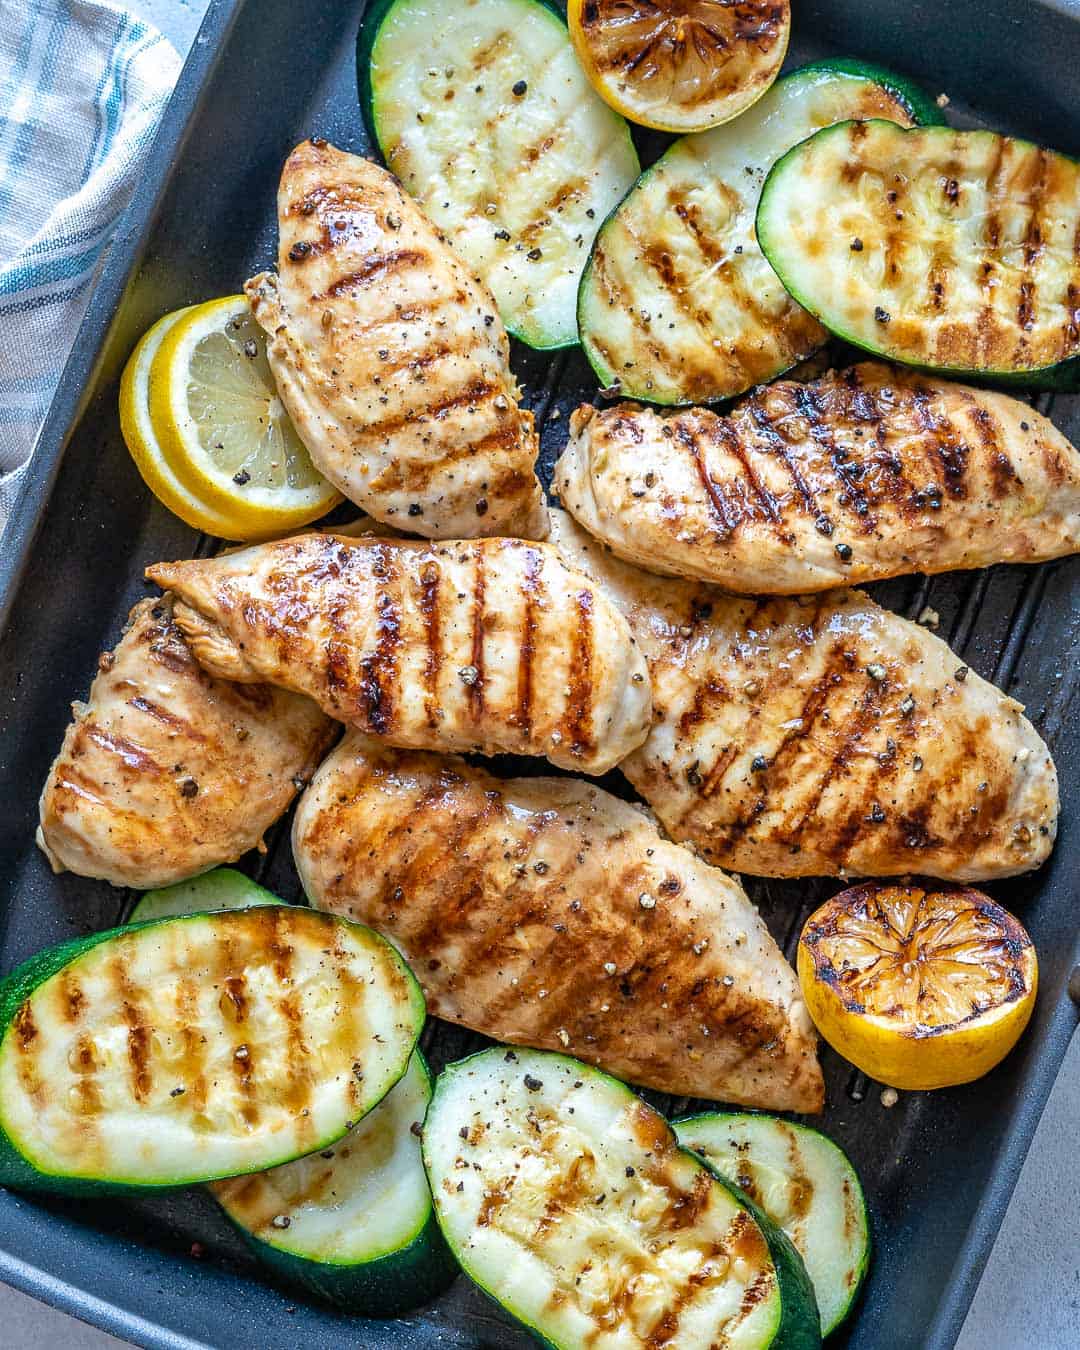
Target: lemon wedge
920	988
221	428
680	65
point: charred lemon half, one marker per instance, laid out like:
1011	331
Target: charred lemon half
920	988
680	65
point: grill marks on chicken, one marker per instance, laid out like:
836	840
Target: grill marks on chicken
484	645
861	475
165	771
545	912
391	358
824	736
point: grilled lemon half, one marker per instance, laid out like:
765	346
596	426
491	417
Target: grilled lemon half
920	988
680	65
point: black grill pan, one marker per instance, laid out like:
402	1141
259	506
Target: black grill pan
939	1167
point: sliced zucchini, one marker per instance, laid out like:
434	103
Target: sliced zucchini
954	251
223	888
482	111
805	1184
677	303
569	1201
194	1048
354	1223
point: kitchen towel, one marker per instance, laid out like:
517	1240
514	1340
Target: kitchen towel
82	86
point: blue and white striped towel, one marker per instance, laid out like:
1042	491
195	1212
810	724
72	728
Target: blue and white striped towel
82	86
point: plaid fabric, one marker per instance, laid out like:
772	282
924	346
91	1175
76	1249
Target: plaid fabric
81	89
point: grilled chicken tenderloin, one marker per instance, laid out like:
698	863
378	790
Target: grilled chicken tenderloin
545	912
164	771
483	645
824	736
391	358
857	476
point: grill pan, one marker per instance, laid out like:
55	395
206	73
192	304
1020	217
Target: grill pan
938	1168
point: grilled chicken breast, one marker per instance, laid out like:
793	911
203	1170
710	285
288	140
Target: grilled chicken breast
164	771
487	645
391	358
545	912
863	474
824	736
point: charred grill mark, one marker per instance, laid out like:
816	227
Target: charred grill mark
133	757
25	1027
564	192
577	720
809	403
531	587
505	437
1003	474
72	998
430	578
476	390
165	717
779	445
494	1200
941	441
711	781
484	56
138	1049
767	503
707	694
715	497
192	1068
479	613
373	267
244	1073
1033	238
378	669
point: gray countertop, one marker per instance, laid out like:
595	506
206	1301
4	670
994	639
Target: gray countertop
1030	1292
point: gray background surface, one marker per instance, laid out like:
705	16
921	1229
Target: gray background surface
1029	1296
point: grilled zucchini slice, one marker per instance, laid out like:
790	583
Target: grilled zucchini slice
953	251
569	1200
805	1184
677	303
195	1048
482	111
352	1224
222	888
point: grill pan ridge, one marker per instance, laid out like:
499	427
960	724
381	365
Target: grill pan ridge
938	1168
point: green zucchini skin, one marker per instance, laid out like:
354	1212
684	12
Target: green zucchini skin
922	109
17	1172
797	1325
221	888
590	168
740	1135
394	1282
1059	376
660	356
387	1287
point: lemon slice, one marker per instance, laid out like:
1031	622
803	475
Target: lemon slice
918	988
142	442
222	428
680	65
